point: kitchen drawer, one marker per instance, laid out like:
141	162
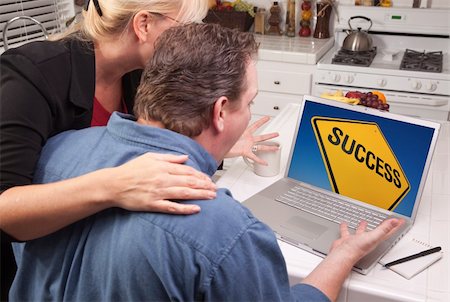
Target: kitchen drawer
267	103
284	77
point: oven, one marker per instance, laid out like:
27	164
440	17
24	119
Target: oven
408	62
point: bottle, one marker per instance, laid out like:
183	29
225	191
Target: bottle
290	19
260	21
274	19
367	2
323	20
305	22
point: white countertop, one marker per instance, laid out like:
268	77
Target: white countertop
431	225
301	50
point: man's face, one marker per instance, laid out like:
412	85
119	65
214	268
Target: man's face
240	116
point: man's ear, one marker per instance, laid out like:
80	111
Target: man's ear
219	114
141	25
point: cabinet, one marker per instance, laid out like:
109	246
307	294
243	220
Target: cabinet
285	69
279	84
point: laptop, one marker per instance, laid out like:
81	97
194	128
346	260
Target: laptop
347	163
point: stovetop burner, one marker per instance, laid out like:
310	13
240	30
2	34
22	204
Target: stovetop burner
422	61
354	58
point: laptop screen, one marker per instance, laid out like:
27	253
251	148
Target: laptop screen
368	155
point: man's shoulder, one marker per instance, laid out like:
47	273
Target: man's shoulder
72	141
69	154
216	229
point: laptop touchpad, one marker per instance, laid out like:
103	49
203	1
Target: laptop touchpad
304	227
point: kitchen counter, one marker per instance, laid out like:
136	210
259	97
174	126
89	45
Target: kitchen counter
431	225
300	50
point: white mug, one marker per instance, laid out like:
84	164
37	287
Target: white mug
272	158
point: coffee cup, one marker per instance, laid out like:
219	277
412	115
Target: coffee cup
272	158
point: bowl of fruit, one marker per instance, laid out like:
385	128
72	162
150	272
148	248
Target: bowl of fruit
237	14
373	99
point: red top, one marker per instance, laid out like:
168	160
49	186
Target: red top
100	116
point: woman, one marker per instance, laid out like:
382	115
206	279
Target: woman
76	82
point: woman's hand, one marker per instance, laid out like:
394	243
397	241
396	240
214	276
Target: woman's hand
146	183
244	145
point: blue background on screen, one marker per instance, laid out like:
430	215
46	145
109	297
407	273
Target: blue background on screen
409	142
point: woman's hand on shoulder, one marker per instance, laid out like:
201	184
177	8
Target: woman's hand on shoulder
150	181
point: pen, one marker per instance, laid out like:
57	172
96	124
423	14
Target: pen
418	255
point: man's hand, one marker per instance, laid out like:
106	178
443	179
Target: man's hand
356	246
345	252
243	146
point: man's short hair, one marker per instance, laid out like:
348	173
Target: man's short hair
192	66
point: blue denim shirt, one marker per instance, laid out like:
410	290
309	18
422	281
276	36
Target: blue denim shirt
223	253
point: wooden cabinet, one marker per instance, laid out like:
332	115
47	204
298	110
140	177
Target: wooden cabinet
279	84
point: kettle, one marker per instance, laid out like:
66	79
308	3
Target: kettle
358	40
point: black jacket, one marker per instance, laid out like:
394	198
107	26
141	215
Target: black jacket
45	88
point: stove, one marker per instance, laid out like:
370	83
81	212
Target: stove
354	58
422	61
410	62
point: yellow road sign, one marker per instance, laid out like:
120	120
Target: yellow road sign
359	161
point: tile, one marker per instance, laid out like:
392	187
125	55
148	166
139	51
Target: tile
428	184
440	163
443	143
425	206
441	183
438	273
436	296
392	287
440	208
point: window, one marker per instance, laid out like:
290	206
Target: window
52	14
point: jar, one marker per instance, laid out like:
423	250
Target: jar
260	21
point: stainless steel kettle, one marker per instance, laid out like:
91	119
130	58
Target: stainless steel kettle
358	40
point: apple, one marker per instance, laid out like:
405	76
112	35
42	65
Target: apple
304	32
306	5
354	94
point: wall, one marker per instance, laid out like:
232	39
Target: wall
436	4
283	5
403	3
267	4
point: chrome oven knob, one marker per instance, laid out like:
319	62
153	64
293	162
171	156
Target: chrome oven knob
335	77
381	82
431	86
416	85
349	78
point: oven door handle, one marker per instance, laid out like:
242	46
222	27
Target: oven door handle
418	101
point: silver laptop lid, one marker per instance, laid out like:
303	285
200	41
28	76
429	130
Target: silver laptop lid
369	155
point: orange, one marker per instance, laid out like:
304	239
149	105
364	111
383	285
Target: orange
380	96
306	15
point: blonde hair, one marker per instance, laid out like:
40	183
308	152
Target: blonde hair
118	14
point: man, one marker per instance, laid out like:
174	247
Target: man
194	99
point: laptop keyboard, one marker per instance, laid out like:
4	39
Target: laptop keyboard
330	208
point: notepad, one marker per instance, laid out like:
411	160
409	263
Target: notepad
407	247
